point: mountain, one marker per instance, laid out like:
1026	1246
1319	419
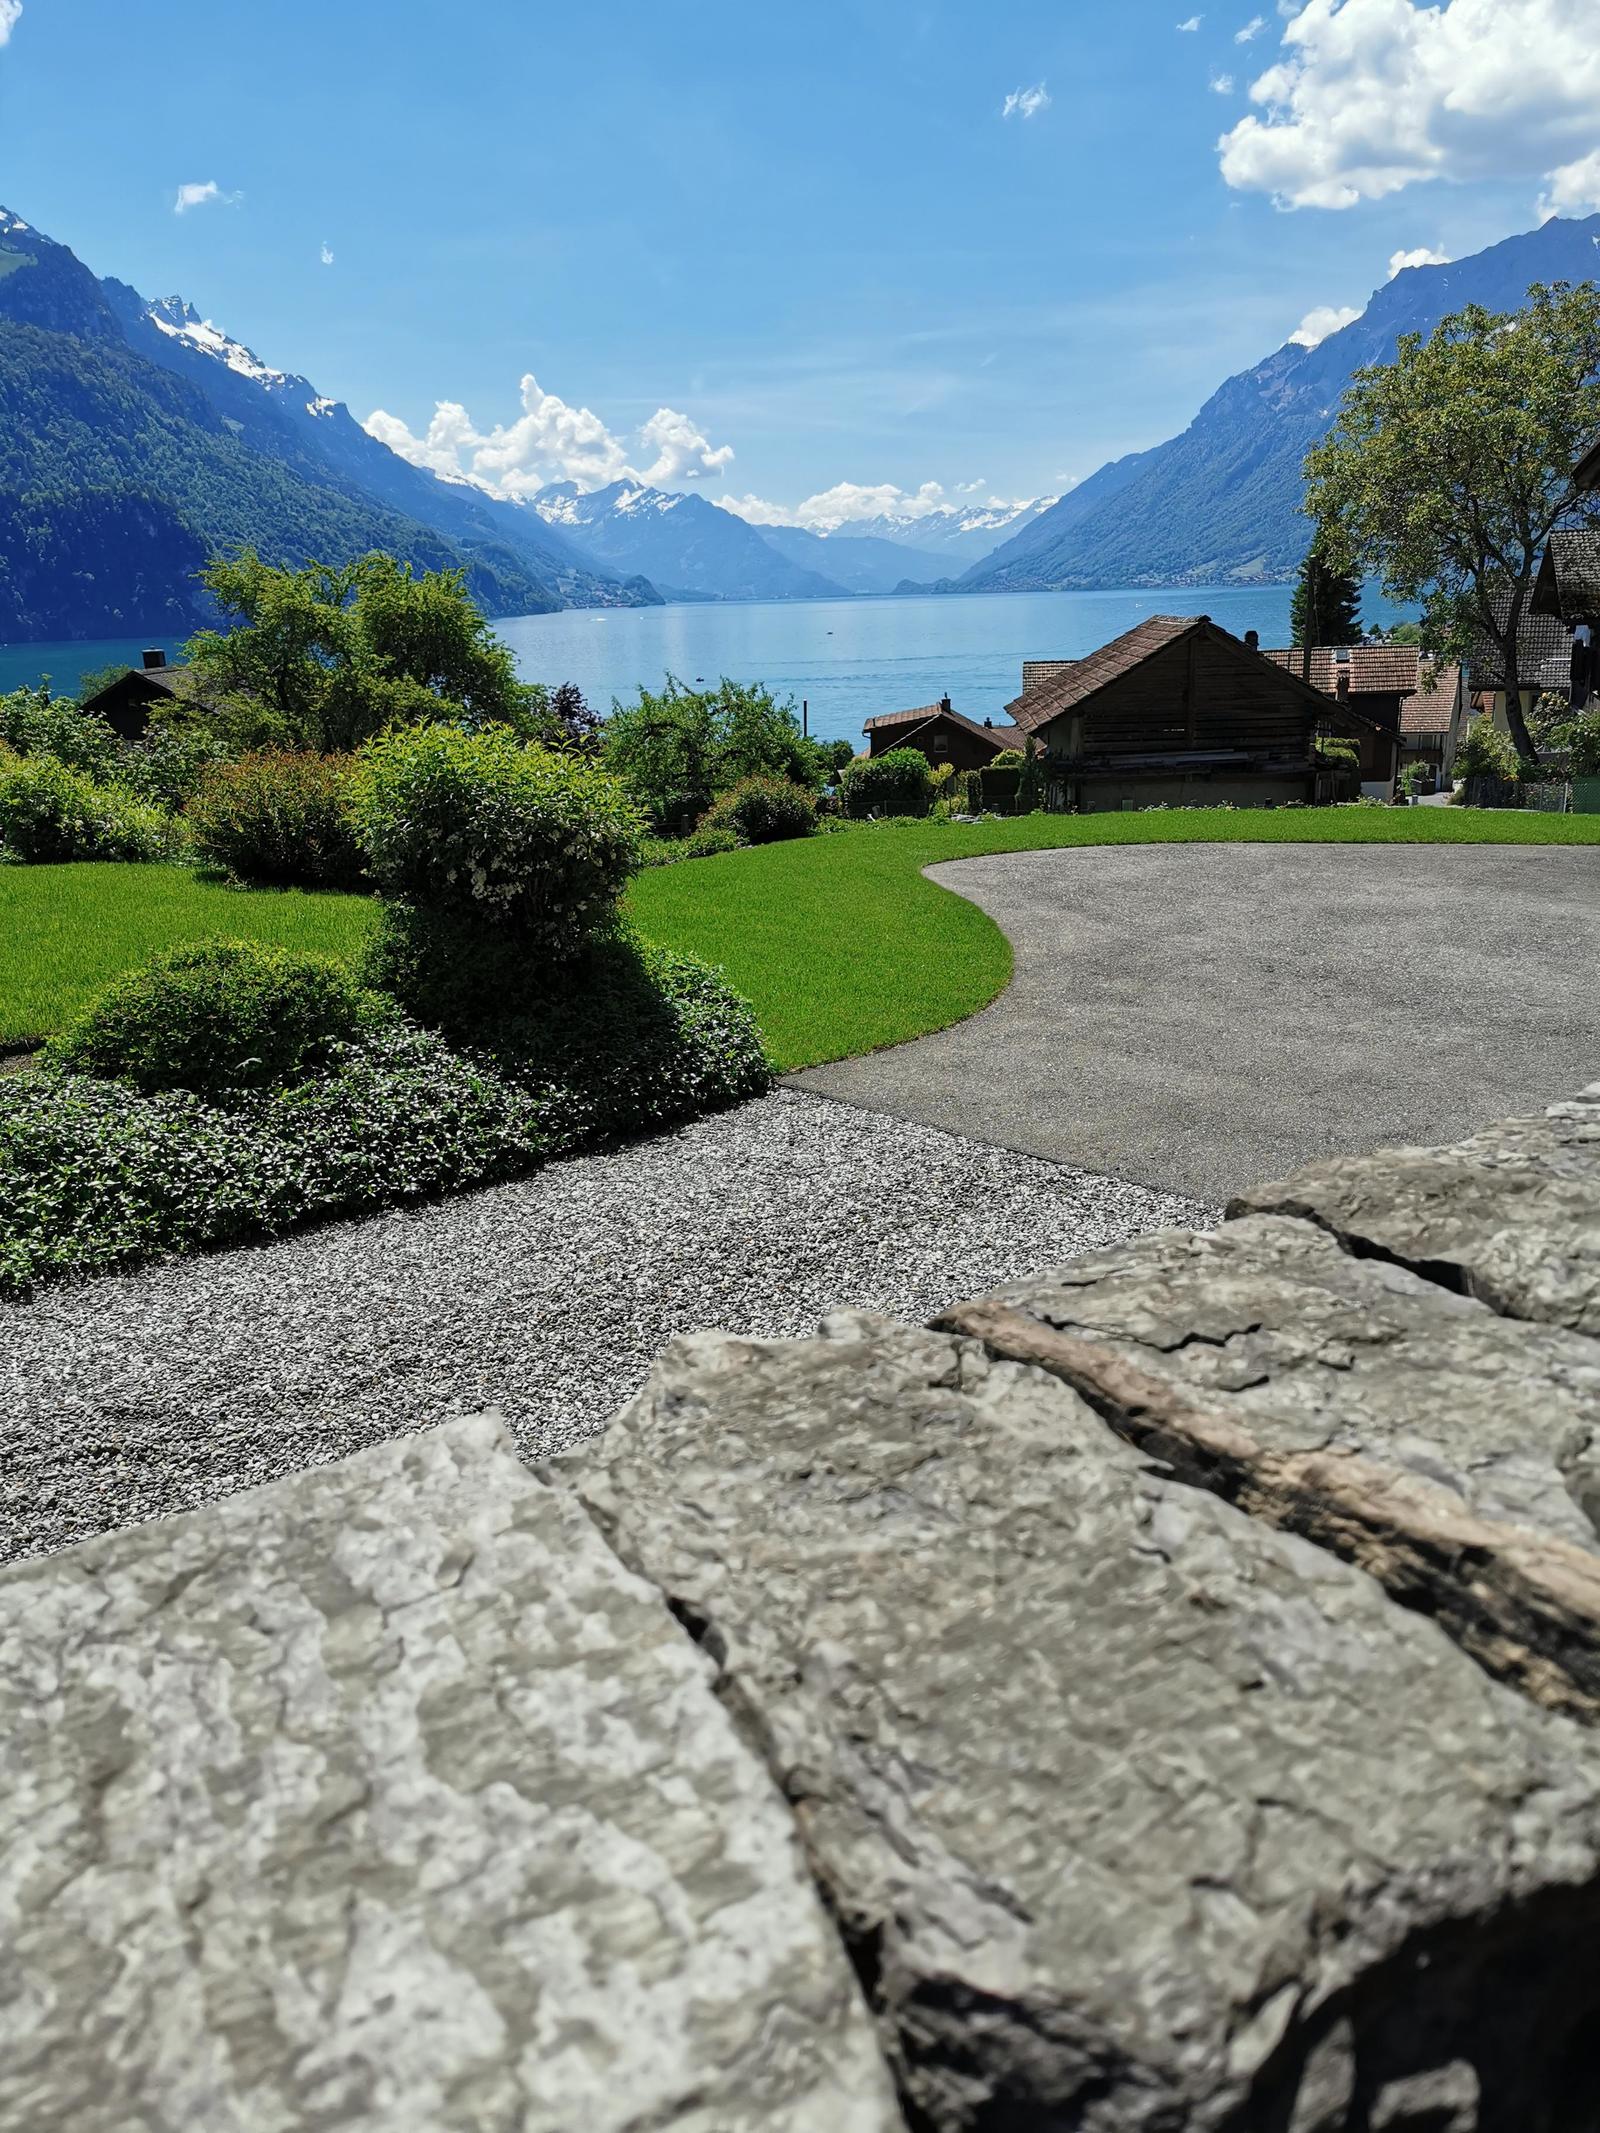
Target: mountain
689	548
286	416
861	564
136	441
960	533
1223	500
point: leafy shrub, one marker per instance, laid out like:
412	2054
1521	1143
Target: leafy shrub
708	841
1486	752
896	783
1008	759
50	813
1583	741
167	766
763	810
539	843
94	1176
33	722
218	1015
278	818
450	969
676	749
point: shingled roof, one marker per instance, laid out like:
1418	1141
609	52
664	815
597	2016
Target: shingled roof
1587	472
1540	639
1431	708
1568	584
1082	677
1003	736
1373	669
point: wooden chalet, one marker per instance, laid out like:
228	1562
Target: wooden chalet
126	703
1176	711
1567	589
942	735
1544	662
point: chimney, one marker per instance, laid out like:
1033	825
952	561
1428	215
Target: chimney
988	722
154	659
944	704
1253	639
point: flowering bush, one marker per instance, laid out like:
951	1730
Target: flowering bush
477	823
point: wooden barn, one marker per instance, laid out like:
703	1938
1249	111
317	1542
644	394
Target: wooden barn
1177	712
125	704
1372	681
942	735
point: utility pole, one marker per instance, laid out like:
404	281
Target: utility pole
805	718
1313	612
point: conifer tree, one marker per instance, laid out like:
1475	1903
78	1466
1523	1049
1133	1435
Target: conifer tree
1338	604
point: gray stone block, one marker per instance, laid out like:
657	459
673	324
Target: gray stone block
385	1799
1139	1814
1511	1215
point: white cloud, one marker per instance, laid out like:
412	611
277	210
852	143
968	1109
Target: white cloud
1375	95
1193	22
10	16
845	502
203	196
327	255
1221	84
1574	188
1421	257
1026	103
1320	322
551	440
1251	30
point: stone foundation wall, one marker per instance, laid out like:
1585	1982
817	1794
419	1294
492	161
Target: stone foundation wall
1159	1698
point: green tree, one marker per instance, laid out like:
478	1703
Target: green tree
1326	606
1448	469
678	748
326	658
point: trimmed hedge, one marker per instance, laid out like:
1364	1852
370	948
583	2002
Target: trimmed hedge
278	819
896	783
217	1015
95	1176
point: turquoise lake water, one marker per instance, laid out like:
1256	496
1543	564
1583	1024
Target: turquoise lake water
846	658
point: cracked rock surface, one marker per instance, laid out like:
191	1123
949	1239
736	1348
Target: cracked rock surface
1511	1215
386	1799
1139	1815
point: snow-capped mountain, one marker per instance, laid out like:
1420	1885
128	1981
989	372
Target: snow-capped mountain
686	546
961	533
280	412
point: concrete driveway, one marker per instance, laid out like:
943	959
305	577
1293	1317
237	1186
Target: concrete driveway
1203	1016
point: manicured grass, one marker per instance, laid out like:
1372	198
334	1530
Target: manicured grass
64	931
843	946
839	941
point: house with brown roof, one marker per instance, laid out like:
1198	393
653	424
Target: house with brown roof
1177	711
1372	681
126	703
942	734
1433	717
1544	662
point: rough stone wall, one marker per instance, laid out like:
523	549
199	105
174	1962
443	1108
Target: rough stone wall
1163	1697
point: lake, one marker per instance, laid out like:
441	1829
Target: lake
846	658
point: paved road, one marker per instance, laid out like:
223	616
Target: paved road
1203	1016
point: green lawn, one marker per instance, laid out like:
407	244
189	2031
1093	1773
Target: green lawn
839	941
844	947
65	930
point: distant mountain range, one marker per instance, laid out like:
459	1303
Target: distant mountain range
1222	501
137	439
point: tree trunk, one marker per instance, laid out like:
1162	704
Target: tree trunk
1521	738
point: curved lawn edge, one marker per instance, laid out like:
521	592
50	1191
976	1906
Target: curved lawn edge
844	946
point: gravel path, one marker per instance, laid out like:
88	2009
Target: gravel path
146	1394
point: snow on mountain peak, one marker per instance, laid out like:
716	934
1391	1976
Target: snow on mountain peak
181	322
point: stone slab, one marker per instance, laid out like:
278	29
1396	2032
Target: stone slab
1511	1215
384	1799
1138	1814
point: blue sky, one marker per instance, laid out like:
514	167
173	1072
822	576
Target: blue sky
813	235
